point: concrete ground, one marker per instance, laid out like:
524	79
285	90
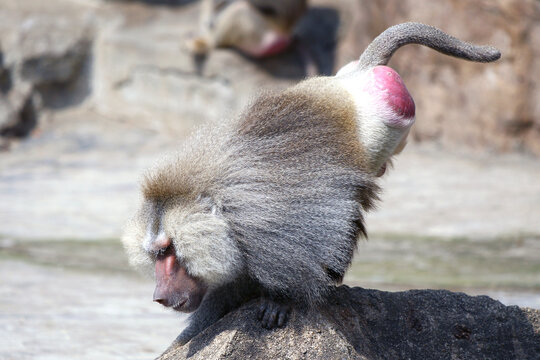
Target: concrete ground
51	312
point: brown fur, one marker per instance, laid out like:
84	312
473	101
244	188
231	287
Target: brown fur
321	96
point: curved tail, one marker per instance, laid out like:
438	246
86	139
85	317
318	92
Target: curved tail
383	47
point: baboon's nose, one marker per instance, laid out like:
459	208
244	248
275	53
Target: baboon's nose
161	301
161	296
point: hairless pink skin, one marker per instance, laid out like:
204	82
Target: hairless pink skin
273	43
386	85
279	45
175	287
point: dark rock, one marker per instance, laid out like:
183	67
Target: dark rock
372	324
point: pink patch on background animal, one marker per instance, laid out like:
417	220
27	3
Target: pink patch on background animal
272	44
278	46
387	85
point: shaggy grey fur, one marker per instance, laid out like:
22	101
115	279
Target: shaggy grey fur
272	203
297	210
293	200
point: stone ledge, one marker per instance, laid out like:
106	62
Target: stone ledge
371	324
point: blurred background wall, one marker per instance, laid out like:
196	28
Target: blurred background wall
93	91
128	59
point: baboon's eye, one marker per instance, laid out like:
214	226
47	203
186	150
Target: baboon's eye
164	251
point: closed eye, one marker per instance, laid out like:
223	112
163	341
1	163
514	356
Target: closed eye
160	253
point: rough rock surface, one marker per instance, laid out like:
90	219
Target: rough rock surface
372	324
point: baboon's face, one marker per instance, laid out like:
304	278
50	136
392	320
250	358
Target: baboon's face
175	287
186	241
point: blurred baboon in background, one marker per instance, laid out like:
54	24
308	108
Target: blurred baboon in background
258	28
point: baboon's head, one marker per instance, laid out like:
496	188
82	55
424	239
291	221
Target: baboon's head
179	233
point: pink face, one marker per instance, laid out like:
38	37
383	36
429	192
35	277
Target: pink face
175	287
